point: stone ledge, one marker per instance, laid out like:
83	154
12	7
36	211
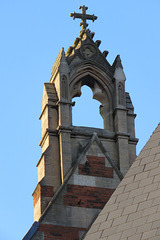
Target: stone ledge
47	105
88	131
48	132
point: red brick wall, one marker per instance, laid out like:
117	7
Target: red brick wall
95	166
46	191
89	197
52	232
79	196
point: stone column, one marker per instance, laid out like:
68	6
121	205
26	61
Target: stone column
64	131
120	117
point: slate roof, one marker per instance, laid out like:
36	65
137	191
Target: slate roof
133	211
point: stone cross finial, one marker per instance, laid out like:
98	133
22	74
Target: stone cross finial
83	16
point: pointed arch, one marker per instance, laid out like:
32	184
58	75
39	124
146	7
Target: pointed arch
86	110
101	85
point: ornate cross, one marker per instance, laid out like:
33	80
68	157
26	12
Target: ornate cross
83	16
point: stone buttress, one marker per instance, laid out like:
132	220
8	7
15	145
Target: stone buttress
80	167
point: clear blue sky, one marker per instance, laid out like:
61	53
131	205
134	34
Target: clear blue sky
32	33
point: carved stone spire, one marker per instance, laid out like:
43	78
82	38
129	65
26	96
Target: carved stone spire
118	72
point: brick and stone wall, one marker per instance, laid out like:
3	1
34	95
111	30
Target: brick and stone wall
95	166
53	232
42	191
89	197
78	204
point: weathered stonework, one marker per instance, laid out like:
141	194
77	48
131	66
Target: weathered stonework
80	167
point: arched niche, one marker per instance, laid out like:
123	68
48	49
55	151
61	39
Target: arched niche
102	89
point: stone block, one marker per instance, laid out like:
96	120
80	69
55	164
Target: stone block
134	216
126	203
145	205
140	221
136	192
142	175
131	186
115	236
93	236
129	232
145	182
109	231
115	214
140	198
122	197
151	187
105	225
150	210
148	234
119	220
130	209
137	237
124	226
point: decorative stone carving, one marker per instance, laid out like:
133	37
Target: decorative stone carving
88	51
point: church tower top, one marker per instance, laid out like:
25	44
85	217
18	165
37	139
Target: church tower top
80	167
83	16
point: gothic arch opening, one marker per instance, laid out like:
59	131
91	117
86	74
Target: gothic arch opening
86	110
100	90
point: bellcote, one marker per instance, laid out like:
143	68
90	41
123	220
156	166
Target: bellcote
66	147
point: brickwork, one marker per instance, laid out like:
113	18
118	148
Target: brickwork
52	232
95	166
89	197
46	191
